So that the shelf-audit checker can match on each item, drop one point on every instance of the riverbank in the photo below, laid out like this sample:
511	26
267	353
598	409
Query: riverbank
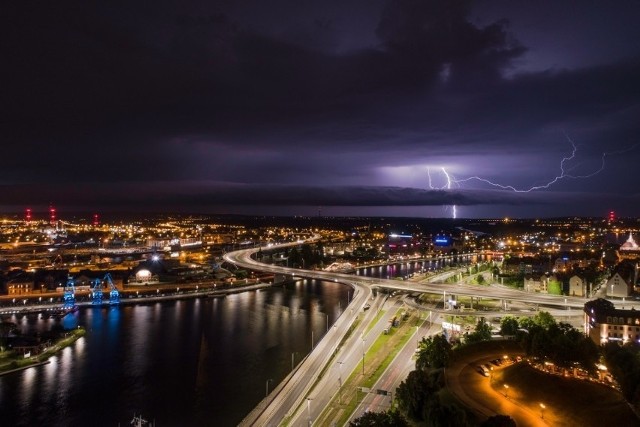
141	296
16	363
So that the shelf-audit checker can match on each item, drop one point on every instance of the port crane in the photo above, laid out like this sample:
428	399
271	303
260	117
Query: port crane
69	295
114	294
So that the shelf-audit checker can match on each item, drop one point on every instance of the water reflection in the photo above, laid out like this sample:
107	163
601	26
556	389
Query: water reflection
190	362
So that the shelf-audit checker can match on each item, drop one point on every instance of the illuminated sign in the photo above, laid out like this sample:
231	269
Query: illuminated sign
451	327
442	241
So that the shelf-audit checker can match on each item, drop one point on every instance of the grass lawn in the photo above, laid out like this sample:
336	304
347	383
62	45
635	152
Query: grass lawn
9	360
554	287
569	402
377	359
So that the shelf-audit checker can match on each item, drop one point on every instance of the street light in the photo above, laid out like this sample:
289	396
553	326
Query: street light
542	410
266	393
340	382
363	340
309	409
506	391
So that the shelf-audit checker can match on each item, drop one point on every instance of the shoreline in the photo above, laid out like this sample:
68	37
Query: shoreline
140	299
22	368
129	300
61	344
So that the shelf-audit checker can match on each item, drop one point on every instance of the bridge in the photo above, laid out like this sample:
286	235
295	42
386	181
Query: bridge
287	399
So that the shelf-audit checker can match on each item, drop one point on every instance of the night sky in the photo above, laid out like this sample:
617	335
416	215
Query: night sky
345	107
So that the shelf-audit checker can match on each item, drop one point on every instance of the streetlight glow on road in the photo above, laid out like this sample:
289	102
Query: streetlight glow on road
340	382
363	340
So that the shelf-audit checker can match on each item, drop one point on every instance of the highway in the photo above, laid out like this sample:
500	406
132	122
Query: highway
302	396
396	372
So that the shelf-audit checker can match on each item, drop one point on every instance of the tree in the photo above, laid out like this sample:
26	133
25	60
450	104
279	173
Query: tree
414	392
380	419
482	332
544	319
624	364
307	256
241	274
6	328
434	352
438	414
508	325
480	279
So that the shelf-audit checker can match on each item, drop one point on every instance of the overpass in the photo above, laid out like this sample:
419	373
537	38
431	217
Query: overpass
291	393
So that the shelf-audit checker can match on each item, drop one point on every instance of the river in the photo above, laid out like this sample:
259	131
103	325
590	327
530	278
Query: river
196	362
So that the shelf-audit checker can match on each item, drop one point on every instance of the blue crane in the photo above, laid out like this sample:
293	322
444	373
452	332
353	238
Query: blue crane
114	295
96	291
69	295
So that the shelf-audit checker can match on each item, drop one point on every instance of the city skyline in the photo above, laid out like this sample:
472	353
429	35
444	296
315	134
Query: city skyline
396	108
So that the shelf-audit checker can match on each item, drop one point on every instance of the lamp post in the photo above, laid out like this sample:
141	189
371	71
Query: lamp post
363	340
309	409
266	393
340	383
506	391
542	410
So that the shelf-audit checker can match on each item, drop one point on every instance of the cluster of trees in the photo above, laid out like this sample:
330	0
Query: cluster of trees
6	328
388	418
541	336
306	255
624	364
419	398
481	333
418	395
434	352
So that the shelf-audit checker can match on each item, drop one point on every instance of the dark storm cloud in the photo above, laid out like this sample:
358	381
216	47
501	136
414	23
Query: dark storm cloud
280	92
209	195
87	76
214	194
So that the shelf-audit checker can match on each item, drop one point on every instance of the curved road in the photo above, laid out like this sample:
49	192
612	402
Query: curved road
287	400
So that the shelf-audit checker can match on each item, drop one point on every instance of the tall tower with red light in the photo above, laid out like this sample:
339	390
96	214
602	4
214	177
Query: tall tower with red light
52	215
27	215
96	220
612	217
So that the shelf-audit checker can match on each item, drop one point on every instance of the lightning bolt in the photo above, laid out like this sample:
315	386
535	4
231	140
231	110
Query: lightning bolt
452	182
564	173
448	185
449	182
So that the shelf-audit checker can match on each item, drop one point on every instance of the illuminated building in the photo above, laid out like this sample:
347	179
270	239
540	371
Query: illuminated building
401	244
604	323
629	249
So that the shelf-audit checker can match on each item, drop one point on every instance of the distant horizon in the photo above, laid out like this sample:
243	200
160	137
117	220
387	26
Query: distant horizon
42	215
